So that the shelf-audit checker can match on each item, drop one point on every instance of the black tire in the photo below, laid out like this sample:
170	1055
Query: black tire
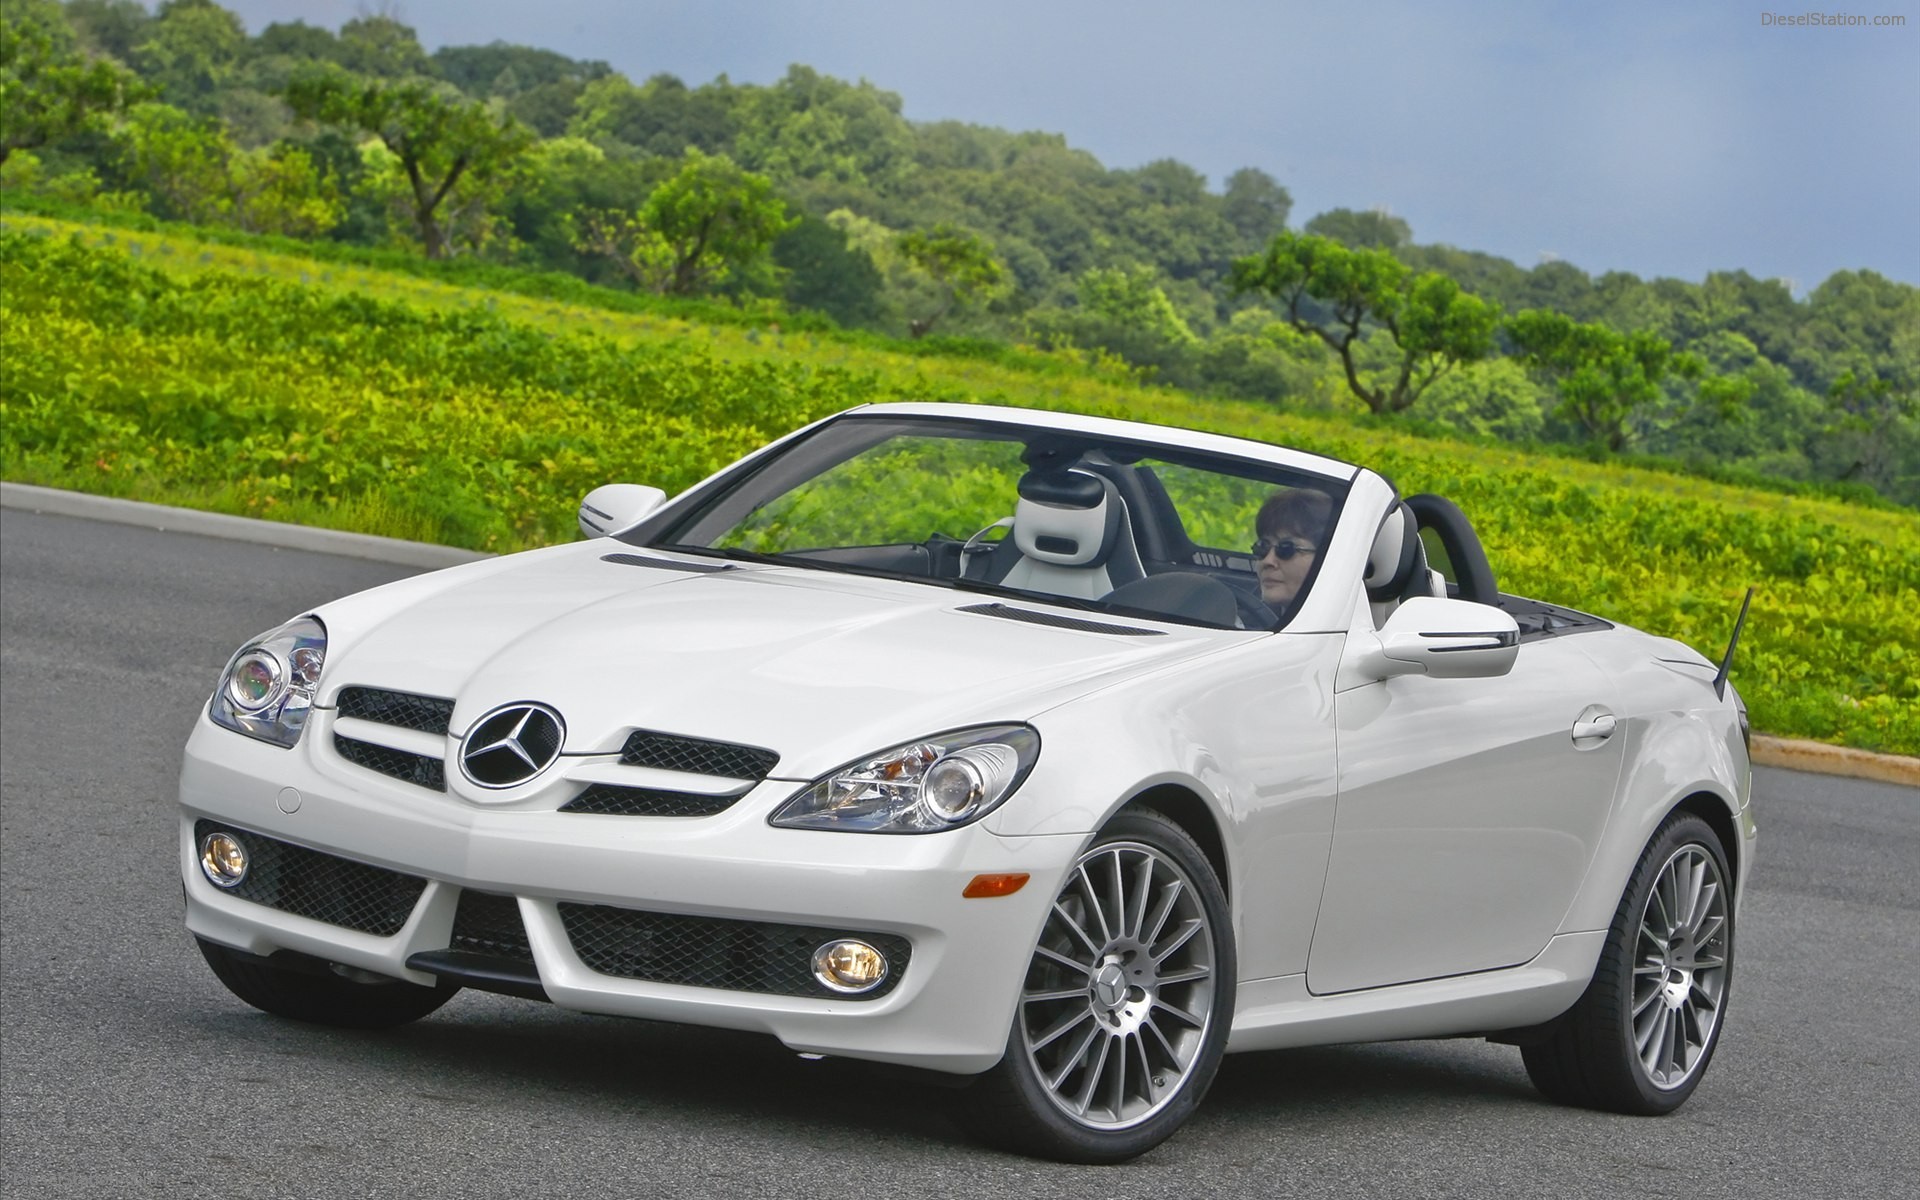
320	995
1175	956
1603	1053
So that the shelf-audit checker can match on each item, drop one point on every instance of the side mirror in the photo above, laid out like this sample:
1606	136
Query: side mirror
612	507
1445	639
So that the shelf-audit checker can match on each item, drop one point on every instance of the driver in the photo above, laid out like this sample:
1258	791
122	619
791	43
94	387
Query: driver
1288	527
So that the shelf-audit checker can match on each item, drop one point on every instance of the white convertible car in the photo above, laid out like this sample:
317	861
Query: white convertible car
1058	752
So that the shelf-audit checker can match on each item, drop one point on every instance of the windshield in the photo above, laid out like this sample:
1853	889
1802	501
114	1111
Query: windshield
1062	518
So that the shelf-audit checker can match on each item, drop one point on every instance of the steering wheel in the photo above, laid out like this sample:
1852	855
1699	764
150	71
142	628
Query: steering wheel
1252	611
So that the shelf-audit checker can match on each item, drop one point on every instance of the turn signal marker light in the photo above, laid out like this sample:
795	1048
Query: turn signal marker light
984	886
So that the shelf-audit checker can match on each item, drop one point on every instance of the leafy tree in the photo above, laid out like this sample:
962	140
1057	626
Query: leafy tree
49	91
1132	298
383	47
1375	229
712	221
812	126
192	49
662	116
1255	205
443	146
960	264
1337	293
193	170
1603	376
826	273
110	27
477	70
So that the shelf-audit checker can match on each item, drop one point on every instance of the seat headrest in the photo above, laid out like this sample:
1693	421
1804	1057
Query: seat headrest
1067	518
1395	555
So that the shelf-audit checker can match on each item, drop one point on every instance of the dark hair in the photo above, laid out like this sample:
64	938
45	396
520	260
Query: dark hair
1297	510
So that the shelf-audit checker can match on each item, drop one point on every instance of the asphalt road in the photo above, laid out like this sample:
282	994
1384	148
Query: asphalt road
128	1071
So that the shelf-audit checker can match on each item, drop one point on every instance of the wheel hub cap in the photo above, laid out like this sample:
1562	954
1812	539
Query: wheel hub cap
1680	972
1119	996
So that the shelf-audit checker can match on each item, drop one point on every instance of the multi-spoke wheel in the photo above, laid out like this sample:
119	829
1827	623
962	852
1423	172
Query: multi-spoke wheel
1642	1035
1124	1011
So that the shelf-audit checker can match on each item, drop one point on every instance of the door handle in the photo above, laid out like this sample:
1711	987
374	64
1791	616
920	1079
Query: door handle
1595	726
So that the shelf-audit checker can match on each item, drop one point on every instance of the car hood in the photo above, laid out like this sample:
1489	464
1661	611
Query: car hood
817	666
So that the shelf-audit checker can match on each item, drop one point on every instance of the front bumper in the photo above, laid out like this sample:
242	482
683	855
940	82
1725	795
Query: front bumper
950	1010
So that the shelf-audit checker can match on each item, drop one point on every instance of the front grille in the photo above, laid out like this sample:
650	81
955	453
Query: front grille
308	883
610	800
426	714
696	756
710	952
420	769
486	923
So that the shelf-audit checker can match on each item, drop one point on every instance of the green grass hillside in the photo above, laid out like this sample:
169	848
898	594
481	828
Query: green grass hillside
159	367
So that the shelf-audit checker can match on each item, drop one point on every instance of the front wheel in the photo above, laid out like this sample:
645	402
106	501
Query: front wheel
1641	1036
1124	1012
322	995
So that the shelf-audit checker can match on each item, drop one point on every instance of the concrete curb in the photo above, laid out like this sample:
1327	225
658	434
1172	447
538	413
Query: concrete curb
240	529
1817	757
1822	759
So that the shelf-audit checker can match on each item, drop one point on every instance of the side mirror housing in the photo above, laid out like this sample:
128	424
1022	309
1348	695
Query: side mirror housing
1445	639
612	507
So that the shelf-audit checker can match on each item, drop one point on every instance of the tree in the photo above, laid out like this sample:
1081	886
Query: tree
193	169
825	273
1255	205
1376	229
384	47
49	91
191	51
1338	294
961	265
1603	376
710	222
441	143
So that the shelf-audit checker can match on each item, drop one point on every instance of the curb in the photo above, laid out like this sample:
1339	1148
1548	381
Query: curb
1822	759
1791	754
239	529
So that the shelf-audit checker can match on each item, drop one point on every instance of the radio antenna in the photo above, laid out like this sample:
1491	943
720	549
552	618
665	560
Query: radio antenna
1726	663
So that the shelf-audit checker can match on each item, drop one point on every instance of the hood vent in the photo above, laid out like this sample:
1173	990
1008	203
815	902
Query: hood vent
1033	617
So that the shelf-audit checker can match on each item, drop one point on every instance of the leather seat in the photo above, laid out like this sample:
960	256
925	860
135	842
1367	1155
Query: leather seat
1071	537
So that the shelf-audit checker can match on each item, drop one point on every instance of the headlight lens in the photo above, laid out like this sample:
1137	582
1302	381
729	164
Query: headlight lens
268	686
937	783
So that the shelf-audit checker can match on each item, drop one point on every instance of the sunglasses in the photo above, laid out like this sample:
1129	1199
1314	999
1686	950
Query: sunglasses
1283	549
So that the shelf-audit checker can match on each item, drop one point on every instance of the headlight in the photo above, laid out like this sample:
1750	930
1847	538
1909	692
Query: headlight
938	783
267	689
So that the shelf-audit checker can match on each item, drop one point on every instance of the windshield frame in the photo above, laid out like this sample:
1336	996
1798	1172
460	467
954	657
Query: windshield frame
710	509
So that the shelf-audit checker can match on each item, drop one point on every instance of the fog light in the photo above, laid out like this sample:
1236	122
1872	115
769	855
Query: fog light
223	859
849	966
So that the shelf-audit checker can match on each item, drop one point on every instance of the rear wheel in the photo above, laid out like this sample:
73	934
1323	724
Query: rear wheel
1642	1035
321	993
1124	1012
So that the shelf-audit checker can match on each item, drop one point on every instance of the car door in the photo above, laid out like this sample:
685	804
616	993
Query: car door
1466	817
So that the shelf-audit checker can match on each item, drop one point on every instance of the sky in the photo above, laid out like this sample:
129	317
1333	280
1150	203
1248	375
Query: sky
1657	138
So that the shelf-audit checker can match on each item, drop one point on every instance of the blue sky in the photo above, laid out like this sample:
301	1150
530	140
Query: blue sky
1656	138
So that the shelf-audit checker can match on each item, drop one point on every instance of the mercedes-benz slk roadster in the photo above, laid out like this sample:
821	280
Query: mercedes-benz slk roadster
1057	753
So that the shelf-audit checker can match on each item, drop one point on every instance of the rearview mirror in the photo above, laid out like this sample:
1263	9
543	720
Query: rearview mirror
615	506
1445	639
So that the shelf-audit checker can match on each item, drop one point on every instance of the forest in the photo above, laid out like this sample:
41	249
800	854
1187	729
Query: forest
812	203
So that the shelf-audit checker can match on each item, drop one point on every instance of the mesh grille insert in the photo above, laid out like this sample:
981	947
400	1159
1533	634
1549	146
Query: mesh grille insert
401	764
612	800
696	756
308	883
427	714
738	956
487	923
